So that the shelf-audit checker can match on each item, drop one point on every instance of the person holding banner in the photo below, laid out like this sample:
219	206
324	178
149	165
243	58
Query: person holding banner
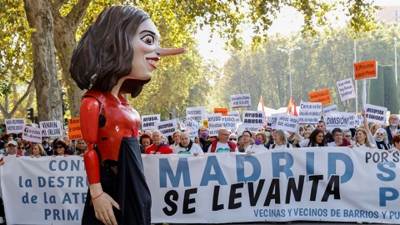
37	151
258	145
186	146
316	139
115	56
222	143
280	140
396	144
338	139
381	139
158	146
246	141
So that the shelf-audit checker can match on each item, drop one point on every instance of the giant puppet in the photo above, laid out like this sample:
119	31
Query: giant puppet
115	56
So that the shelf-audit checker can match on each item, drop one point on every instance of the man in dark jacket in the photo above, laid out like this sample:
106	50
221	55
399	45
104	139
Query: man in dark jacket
393	127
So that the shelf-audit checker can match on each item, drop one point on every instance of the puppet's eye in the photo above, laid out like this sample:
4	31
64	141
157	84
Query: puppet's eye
148	39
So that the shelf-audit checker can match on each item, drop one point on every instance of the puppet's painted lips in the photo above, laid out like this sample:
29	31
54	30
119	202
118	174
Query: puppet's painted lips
152	62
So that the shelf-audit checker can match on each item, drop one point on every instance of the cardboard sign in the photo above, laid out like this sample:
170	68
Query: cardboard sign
376	114
149	122
241	101
287	122
366	70
191	125
274	119
32	134
51	128
346	89
228	122
14	126
74	128
323	96
310	113
223	111
166	128
235	114
243	127
253	118
329	109
339	120
196	113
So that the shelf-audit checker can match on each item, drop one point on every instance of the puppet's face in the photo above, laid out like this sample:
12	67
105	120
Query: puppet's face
145	43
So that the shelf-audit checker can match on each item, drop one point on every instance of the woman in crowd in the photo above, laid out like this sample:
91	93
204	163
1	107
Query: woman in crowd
145	141
280	140
396	145
316	139
362	139
347	136
37	151
259	141
381	139
61	148
20	148
246	140
239	141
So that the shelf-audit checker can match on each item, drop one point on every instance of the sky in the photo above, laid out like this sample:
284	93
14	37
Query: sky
289	20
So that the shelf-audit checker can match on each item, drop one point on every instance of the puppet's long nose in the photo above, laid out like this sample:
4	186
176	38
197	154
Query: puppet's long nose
167	51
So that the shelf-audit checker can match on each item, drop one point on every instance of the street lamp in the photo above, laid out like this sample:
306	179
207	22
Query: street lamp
290	68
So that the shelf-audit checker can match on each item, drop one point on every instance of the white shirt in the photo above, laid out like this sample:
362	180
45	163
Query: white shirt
276	146
256	148
195	149
363	146
221	147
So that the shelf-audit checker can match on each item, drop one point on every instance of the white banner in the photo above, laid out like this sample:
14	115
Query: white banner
196	113
45	190
51	128
329	109
241	101
287	122
149	122
235	114
14	126
306	184
166	128
228	122
310	112
375	114
32	134
346	89
340	120
253	118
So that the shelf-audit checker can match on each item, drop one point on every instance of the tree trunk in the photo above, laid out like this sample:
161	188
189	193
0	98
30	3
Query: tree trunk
47	85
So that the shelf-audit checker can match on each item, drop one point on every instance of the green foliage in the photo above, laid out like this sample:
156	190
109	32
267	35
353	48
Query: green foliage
376	89
390	90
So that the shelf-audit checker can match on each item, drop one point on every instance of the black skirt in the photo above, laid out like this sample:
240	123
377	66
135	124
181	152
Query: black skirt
128	188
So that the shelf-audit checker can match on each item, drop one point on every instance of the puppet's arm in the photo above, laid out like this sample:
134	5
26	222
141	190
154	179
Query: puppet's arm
89	127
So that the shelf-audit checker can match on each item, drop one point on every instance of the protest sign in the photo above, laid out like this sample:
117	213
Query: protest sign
235	114
253	118
14	126
310	113
223	111
32	134
166	128
48	190
196	113
51	128
241	101
191	125
245	127
228	122
366	70
339	120
274	119
213	132
346	89
74	128
323	96
287	122
329	109
359	120
192	134
375	114
214	121
303	184
149	122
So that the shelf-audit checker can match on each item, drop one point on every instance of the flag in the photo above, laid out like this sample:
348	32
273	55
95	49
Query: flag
291	108
261	105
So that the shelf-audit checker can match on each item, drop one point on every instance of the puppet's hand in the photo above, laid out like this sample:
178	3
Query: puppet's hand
103	204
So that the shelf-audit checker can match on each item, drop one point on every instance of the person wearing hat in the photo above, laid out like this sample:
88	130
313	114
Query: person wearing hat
12	151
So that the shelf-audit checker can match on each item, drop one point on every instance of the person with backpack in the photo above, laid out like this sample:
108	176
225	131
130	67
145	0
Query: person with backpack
280	140
222	143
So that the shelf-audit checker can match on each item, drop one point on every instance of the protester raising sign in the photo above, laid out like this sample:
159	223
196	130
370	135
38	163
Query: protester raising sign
241	101
287	122
196	113
366	70
14	125
346	89
51	128
310	113
375	114
323	96
149	122
253	118
166	128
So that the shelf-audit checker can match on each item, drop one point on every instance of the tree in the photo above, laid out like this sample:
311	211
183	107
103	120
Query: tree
390	90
